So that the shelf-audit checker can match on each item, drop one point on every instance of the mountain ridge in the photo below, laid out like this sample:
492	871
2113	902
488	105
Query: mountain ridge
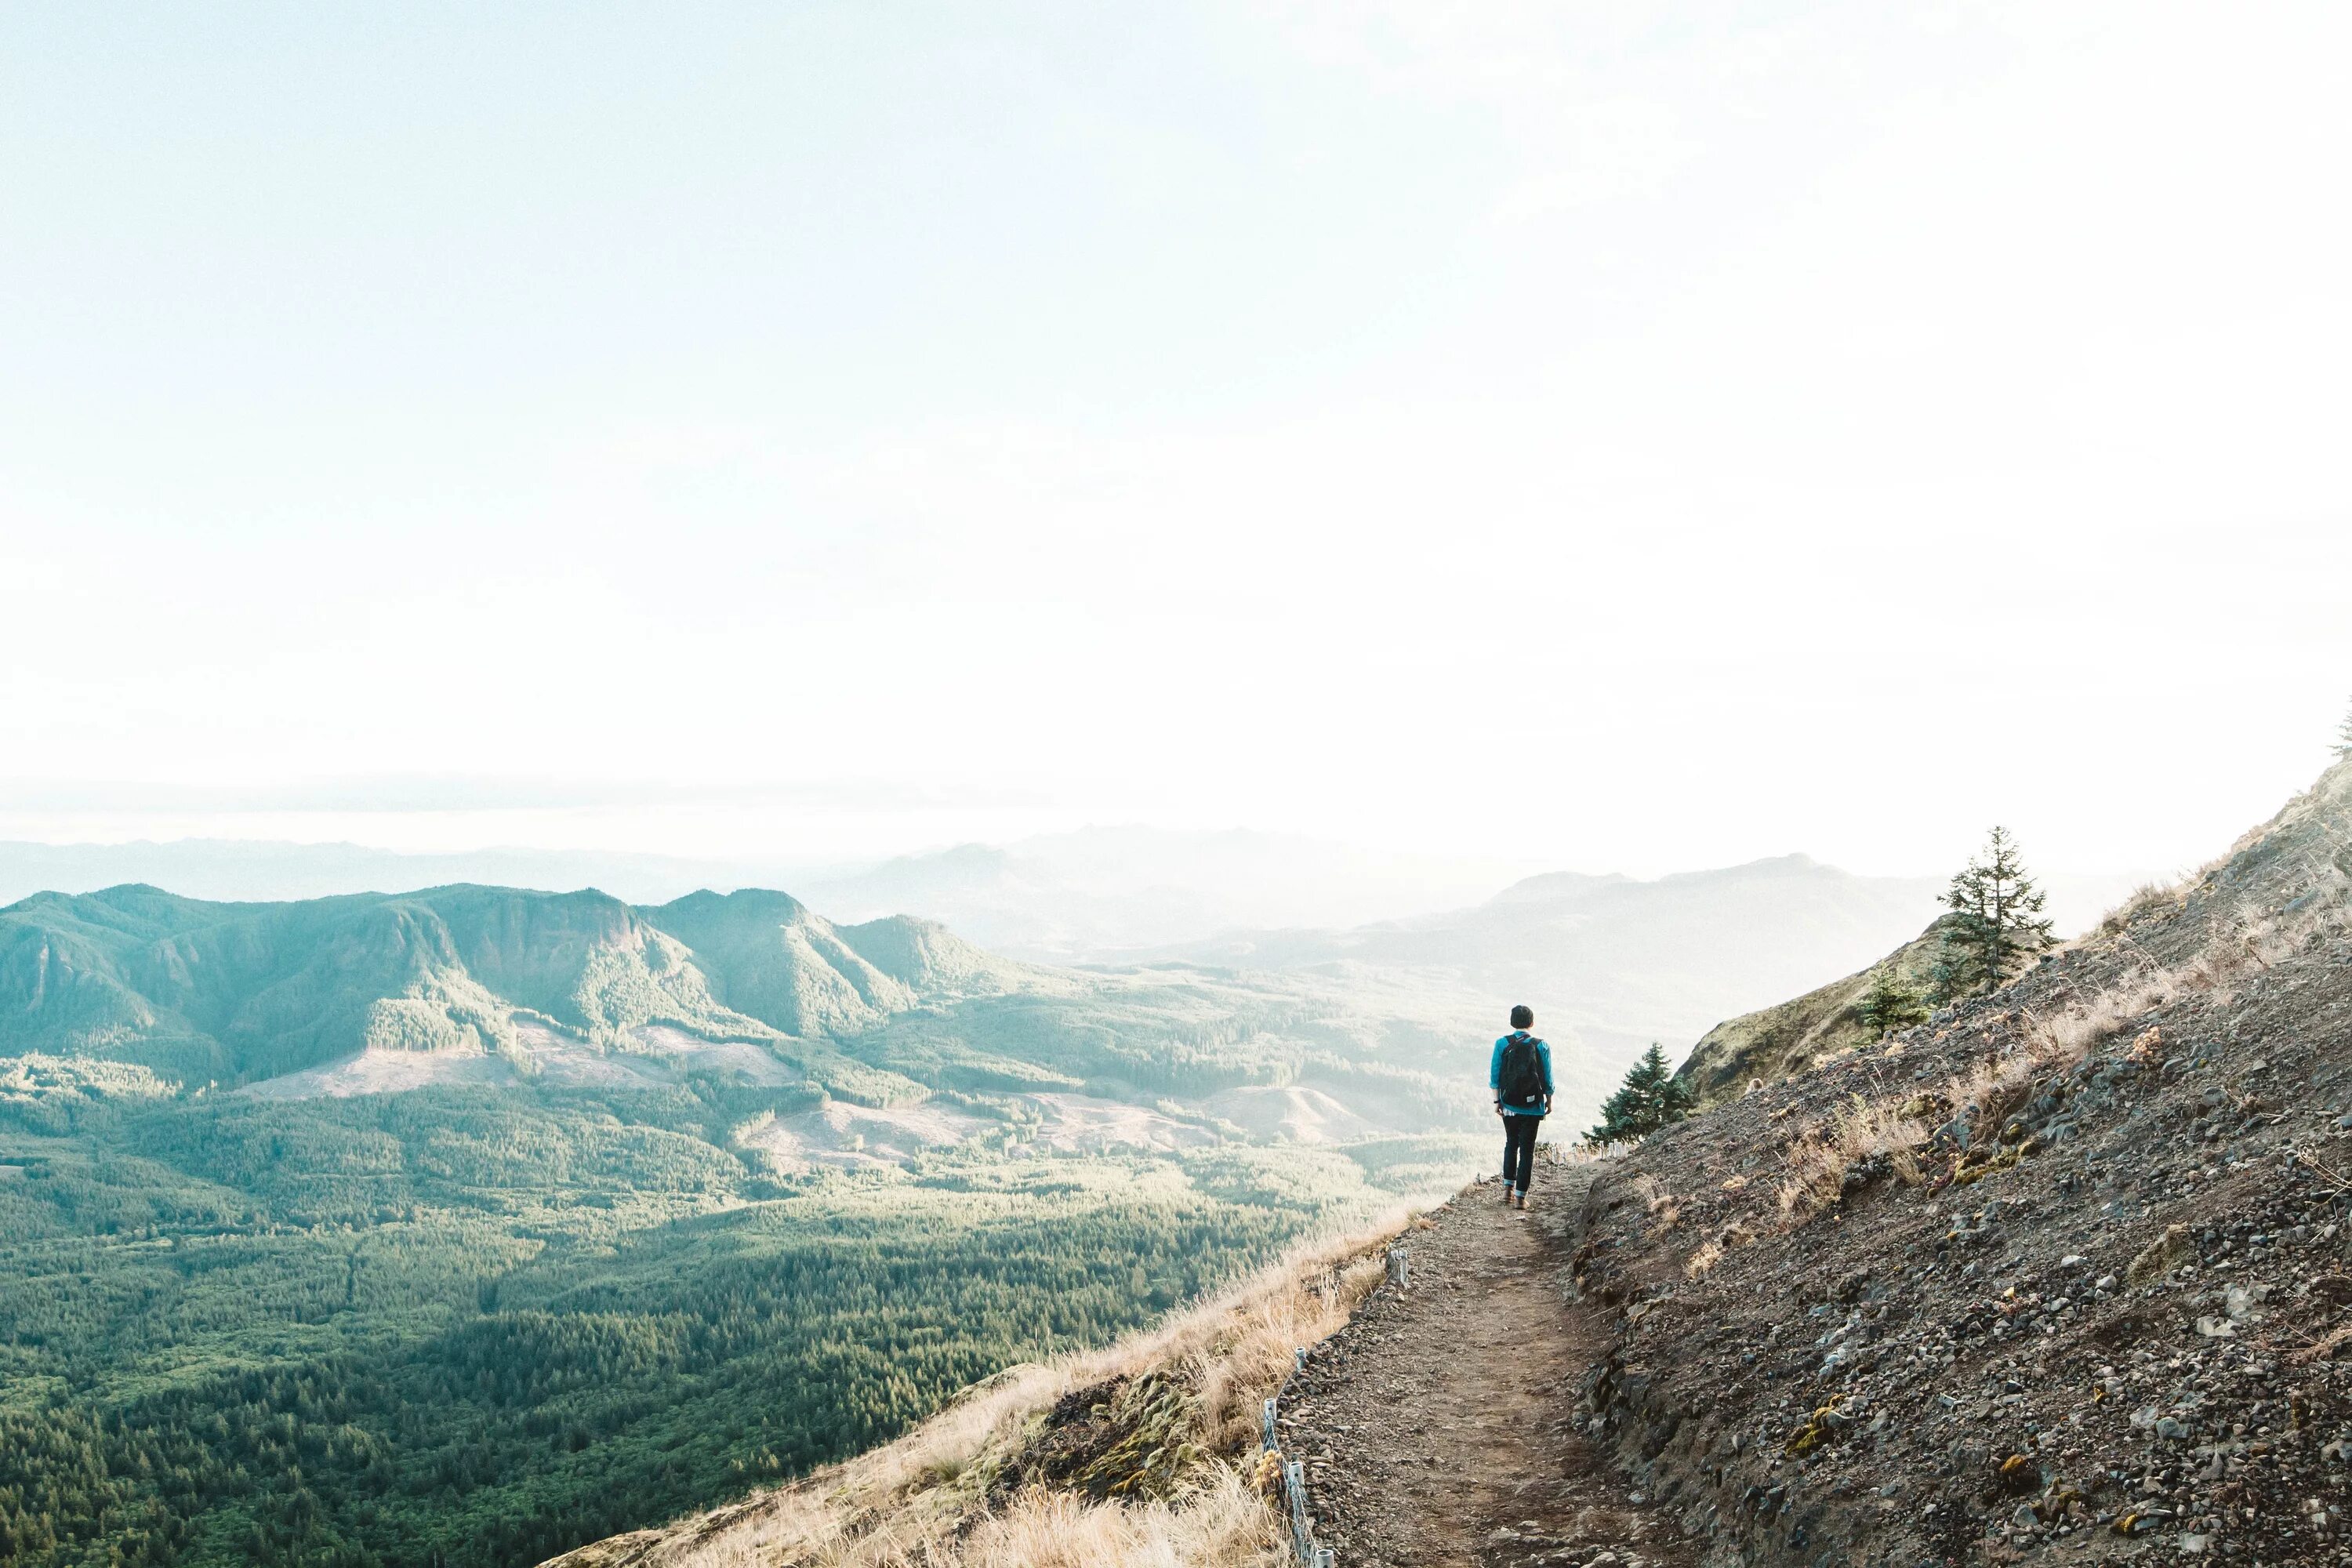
257	989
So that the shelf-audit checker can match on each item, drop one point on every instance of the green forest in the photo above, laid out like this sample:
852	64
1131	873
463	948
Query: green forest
446	1327
465	1227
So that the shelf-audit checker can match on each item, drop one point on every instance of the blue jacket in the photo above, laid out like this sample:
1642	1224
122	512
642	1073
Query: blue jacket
1495	1074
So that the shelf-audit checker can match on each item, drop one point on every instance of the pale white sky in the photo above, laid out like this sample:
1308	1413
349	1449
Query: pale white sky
1609	436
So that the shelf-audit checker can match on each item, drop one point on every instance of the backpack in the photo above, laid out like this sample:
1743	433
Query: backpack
1522	1074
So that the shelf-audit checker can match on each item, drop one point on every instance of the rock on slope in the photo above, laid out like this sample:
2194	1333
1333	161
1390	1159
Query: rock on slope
2069	1268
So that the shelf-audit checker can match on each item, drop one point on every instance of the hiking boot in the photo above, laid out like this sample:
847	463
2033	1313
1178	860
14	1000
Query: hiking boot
1506	1195
1521	1203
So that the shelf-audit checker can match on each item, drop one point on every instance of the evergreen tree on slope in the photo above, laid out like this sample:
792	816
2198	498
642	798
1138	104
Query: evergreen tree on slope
1997	922
1650	1097
1890	1005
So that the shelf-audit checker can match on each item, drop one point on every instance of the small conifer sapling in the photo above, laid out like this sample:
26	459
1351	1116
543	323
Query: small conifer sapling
1890	1005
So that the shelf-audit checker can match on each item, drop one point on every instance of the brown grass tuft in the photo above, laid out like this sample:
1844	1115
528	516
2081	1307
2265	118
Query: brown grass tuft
1859	1131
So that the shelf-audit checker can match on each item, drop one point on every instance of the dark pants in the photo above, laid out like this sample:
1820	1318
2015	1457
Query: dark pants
1519	1150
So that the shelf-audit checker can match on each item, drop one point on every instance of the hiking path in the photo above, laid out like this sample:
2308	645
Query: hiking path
1442	1428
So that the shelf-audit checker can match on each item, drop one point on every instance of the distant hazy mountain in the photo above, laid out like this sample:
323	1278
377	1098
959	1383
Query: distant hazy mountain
1614	962
371	992
234	992
1622	961
248	868
1101	891
1097	892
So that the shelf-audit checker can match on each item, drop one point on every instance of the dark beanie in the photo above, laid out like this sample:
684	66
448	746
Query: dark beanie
1523	1016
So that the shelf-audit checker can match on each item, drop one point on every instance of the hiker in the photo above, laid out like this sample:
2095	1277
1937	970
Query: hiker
1520	1078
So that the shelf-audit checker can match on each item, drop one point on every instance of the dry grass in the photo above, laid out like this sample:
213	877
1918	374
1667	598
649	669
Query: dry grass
2149	899
1222	1524
924	1501
2323	1348
1860	1130
1715	1249
1985	1094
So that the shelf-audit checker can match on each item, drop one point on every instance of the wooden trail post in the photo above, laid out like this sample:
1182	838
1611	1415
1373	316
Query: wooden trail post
1302	1529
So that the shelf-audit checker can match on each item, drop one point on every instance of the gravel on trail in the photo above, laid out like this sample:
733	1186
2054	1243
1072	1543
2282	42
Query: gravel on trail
1442	1428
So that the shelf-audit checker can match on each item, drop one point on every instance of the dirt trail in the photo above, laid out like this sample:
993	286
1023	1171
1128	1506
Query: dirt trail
1440	1426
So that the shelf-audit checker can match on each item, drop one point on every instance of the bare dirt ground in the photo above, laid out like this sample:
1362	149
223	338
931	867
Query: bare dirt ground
1441	1426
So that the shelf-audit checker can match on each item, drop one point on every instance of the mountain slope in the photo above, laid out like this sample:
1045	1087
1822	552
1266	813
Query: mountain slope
769	956
2065	1267
240	991
1142	1453
488	986
1774	1042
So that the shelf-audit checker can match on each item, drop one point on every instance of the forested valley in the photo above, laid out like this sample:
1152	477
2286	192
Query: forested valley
463	1226
451	1327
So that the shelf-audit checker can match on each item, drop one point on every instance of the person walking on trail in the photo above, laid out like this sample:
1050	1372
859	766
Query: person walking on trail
1520	1078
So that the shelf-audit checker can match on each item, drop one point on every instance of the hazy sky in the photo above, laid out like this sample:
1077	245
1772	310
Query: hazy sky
1610	434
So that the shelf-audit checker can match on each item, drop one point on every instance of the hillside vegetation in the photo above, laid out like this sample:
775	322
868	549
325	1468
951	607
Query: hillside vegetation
478	1330
1144	1453
2063	1267
465	1227
232	993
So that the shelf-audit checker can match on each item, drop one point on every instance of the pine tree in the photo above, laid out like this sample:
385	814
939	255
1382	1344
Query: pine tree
1890	1005
1952	975
2344	739
1996	922
1650	1097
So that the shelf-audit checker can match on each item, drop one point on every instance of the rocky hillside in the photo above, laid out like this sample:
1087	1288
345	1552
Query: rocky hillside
2070	1267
